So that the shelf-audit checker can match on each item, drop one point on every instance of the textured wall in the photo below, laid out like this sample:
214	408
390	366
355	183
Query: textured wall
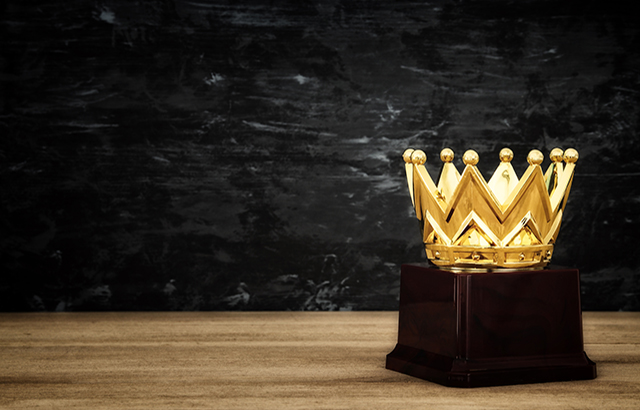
160	154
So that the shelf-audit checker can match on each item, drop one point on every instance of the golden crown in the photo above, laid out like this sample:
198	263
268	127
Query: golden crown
468	223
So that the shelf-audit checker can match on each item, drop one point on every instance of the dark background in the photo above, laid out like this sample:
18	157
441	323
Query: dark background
198	155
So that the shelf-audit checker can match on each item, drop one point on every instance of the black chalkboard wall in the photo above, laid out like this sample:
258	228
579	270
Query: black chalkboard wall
246	155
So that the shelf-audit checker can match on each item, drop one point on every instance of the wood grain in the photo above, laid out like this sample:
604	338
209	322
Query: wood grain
283	360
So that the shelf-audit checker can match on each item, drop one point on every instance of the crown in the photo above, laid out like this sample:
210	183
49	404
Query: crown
470	224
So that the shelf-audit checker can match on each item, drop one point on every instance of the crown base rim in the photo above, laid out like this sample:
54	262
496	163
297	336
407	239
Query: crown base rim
484	259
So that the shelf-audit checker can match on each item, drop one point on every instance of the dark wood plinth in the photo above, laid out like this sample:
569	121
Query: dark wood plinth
488	329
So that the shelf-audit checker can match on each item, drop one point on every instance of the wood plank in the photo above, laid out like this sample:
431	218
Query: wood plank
269	360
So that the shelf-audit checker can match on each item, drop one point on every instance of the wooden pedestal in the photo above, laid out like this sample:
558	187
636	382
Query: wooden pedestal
487	329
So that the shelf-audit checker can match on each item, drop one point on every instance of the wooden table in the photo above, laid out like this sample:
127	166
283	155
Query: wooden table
270	360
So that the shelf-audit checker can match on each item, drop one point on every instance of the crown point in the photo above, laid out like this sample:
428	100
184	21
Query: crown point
407	155
556	155
418	157
446	155
506	155
535	157
470	157
571	156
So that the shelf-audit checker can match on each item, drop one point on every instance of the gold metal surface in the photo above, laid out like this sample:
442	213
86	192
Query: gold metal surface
506	223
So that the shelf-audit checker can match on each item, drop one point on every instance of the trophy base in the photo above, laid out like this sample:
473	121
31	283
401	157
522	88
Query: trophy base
489	329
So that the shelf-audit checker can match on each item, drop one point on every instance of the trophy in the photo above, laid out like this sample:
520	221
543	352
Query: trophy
488	309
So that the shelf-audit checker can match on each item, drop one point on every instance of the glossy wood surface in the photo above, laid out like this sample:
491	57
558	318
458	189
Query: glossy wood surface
489	329
275	360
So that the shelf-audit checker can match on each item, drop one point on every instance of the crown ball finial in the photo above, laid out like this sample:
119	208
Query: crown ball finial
406	156
418	157
571	156
446	155
535	157
470	157
556	155
506	155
